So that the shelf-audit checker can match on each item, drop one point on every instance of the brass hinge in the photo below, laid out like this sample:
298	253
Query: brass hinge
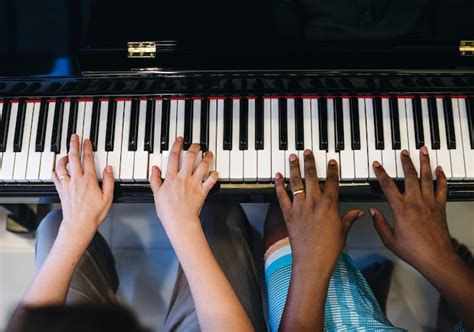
466	47
141	49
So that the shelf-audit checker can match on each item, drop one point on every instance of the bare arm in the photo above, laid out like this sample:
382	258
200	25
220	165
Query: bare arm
420	235
178	202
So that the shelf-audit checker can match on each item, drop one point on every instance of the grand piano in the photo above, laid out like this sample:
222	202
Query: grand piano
251	101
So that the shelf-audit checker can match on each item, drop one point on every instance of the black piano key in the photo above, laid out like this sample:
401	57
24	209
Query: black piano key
299	125
339	124
378	121
149	125
283	123
110	131
323	124
434	125
41	130
395	124
259	124
355	129
188	123
57	126
133	132
94	130
20	124
204	137
72	124
448	118
418	123
165	125
228	115
4	125
470	117
244	124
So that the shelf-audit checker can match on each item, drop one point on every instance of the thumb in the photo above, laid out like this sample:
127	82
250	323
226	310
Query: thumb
108	184
155	179
351	216
383	228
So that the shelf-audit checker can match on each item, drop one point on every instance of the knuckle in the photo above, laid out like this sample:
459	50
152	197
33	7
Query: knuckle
310	170
426	177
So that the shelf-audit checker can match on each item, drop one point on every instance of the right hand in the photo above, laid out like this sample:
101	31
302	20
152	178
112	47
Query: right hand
420	233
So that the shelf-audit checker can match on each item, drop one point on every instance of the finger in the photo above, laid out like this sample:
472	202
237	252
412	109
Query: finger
412	185
173	160
74	156
56	181
382	227
441	186
203	168
108	183
190	159
426	174
282	195
295	177
310	174
88	158
351	216
331	187
388	186
155	179
210	182
61	168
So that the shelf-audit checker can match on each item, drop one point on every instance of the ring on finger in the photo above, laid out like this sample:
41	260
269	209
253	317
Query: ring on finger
64	176
297	192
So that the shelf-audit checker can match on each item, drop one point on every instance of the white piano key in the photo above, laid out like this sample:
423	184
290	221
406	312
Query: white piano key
414	152
468	151
196	138
48	156
444	157
64	137
291	124
100	156
362	164
113	157
372	153
427	135
236	173
319	155
308	140
347	165
457	155
264	157
86	132
180	119
156	156
21	159
8	162
171	136
223	156
127	157
140	165
250	155
81	110
331	153
402	114
278	156
388	154
34	158
213	132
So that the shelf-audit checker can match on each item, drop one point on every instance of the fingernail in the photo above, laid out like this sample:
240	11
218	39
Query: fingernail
108	169
372	212
440	169
277	176
376	164
405	153
307	152
73	137
332	162
424	151
292	157
360	214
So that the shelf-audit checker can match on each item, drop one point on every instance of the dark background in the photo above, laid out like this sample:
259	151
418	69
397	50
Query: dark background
34	33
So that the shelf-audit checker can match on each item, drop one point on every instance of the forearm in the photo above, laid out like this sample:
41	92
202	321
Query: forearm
51	283
451	277
304	309
218	307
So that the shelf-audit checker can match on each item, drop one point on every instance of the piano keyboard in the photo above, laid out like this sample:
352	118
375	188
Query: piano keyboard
251	137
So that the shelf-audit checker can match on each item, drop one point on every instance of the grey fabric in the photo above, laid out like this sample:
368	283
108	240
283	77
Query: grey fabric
95	280
229	235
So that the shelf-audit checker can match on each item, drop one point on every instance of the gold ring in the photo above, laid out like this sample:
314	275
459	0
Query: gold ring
297	192
62	177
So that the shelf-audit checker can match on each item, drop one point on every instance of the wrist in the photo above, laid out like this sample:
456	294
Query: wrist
76	232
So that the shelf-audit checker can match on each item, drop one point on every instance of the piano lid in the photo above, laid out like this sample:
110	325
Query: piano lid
279	35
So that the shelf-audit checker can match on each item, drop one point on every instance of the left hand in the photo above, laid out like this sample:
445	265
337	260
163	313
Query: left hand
317	232
85	205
